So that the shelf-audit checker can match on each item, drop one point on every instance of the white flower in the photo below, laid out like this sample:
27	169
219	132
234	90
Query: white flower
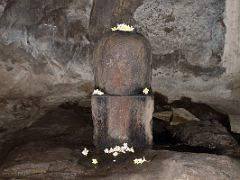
117	148
122	150
114	160
97	92
85	151
140	160
106	151
111	150
135	161
94	161
145	91
123	27
115	154
126	148
131	150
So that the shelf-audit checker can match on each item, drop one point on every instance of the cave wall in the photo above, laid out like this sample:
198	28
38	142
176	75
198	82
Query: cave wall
46	51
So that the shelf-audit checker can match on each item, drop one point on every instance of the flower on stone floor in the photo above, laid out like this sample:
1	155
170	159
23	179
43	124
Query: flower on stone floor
123	27
119	149
115	154
106	151
116	148
97	92
140	160
111	150
94	161
85	151
135	161
145	91
131	150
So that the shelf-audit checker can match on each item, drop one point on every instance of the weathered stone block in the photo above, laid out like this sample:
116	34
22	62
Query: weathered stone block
235	123
120	119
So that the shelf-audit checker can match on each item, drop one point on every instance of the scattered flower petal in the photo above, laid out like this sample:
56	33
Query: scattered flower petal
85	151
115	154
94	161
140	160
117	148
135	161
111	150
131	150
106	151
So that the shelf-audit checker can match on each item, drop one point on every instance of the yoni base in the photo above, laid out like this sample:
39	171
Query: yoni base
122	119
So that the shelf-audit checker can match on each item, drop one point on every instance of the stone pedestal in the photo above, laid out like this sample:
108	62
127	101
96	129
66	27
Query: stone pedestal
120	119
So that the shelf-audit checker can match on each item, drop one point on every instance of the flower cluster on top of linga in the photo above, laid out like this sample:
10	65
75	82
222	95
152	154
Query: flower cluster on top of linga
98	92
119	149
123	27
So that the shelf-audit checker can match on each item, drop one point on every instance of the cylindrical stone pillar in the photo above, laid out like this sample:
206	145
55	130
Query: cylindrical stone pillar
122	69
122	63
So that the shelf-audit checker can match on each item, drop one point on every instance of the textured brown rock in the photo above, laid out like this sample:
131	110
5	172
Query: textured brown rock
206	134
164	115
122	63
235	123
68	124
181	116
40	161
120	119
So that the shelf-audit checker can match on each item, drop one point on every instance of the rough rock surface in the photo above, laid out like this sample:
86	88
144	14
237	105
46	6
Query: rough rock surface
206	134
45	162
69	125
181	116
235	123
45	58
188	41
44	48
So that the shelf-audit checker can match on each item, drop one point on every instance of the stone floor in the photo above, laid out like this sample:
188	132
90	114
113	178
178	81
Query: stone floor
51	149
44	161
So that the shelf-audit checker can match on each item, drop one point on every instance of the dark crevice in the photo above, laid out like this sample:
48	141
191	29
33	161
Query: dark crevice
211	135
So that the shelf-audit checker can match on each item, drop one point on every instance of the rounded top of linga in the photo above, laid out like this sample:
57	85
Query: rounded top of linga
122	63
